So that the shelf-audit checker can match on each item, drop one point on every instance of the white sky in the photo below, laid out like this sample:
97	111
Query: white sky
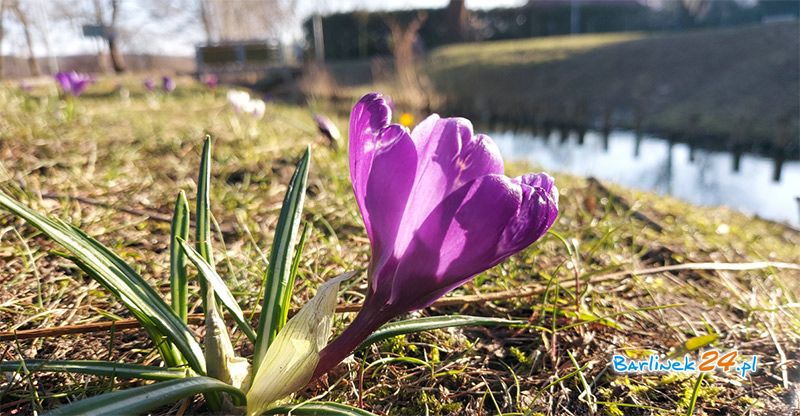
149	37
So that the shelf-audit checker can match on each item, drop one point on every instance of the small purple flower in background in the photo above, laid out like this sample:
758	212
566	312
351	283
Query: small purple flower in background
328	129
25	86
438	210
73	83
211	81
167	84
149	84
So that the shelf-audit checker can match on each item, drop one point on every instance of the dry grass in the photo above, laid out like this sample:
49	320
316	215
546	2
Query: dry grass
137	153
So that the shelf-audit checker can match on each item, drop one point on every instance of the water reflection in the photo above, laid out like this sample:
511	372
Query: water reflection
699	176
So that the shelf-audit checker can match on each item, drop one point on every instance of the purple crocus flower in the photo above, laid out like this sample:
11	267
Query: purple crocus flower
167	84
149	84
211	81
328	129
73	83
438	210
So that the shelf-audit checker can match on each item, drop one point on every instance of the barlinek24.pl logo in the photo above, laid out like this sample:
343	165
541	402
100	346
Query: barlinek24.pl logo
710	360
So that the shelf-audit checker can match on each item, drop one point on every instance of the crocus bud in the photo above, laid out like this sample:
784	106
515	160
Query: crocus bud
149	84
211	81
167	84
438	210
328	129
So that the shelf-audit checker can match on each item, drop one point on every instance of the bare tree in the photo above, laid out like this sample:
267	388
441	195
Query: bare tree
205	18
246	19
111	29
457	21
104	13
403	37
22	18
225	20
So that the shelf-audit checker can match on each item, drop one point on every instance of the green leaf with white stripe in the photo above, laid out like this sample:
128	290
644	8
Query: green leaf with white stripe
141	400
121	280
411	326
219	354
98	368
218	285
178	283
279	281
169	353
203	213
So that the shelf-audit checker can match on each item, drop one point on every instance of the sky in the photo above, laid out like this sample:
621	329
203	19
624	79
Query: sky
66	39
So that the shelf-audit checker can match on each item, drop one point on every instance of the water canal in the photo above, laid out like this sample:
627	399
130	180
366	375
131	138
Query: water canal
702	177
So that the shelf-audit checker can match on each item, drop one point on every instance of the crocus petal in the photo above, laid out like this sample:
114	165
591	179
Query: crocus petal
536	215
368	118
449	157
79	86
458	240
63	81
389	184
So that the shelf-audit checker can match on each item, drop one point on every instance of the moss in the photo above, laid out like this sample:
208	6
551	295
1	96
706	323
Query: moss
429	404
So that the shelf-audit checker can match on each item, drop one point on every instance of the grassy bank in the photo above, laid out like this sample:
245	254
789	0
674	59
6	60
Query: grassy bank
733	87
136	152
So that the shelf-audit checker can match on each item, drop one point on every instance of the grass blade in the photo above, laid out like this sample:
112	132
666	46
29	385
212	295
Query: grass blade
275	306
98	368
119	278
435	322
318	409
143	399
178	283
695	394
211	277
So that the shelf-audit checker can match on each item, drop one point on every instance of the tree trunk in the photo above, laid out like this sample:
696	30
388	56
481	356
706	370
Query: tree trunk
456	21
33	65
205	17
117	61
